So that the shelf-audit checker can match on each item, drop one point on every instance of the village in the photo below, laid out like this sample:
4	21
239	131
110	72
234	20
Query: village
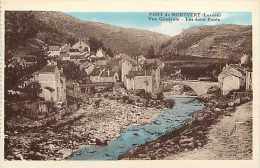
82	98
114	93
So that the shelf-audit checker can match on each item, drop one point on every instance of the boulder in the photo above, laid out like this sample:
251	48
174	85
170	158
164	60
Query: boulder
221	105
19	156
231	104
40	156
230	109
237	101
217	110
188	145
186	140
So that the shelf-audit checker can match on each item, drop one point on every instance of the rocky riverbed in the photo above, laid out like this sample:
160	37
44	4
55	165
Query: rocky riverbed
192	136
93	124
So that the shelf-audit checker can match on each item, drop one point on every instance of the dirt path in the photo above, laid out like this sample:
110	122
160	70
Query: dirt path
230	138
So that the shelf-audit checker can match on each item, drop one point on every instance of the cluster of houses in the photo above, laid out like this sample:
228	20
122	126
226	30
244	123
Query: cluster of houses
137	73
142	74
235	77
131	73
80	51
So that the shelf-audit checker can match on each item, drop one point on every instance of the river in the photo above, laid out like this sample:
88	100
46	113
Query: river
168	120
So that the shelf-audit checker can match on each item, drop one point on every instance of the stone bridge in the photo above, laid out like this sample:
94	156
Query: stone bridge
199	87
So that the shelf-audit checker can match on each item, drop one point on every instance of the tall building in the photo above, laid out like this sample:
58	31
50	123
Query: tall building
53	84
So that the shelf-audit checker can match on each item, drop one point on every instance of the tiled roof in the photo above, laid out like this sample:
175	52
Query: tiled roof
74	50
234	70
125	57
238	68
54	48
132	74
104	71
152	61
108	73
65	48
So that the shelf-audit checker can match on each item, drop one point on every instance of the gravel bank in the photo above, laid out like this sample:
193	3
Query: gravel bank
90	125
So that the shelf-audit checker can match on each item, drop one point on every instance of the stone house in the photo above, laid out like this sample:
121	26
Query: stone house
65	48
99	61
89	69
147	79
104	74
234	77
73	89
127	64
53	84
82	46
54	51
64	53
141	59
74	52
136	80
249	81
154	61
65	57
26	60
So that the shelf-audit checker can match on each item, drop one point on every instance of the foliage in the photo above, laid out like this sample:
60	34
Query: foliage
72	71
160	95
214	90
109	52
50	106
17	73
150	53
33	90
95	44
19	27
71	40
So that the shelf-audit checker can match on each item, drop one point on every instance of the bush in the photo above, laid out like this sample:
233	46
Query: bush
214	90
140	92
169	103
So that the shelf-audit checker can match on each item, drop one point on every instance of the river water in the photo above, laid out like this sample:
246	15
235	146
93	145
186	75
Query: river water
168	120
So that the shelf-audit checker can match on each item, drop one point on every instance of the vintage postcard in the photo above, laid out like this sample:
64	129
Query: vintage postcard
98	85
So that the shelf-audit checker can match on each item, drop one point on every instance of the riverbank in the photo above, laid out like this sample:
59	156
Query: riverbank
92	124
138	135
228	139
194	135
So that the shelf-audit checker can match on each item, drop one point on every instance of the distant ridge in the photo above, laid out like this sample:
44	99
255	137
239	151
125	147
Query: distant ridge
127	40
218	41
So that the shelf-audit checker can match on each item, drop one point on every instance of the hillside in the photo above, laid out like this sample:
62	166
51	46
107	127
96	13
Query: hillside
127	40
220	41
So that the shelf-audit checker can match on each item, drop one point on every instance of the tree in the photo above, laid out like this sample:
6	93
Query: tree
150	53
50	106
95	44
19	26
109	52
73	72
71	40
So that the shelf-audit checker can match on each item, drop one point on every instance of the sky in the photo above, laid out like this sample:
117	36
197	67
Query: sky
170	23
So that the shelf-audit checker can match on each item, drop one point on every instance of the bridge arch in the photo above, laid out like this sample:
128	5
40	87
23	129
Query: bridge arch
199	87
